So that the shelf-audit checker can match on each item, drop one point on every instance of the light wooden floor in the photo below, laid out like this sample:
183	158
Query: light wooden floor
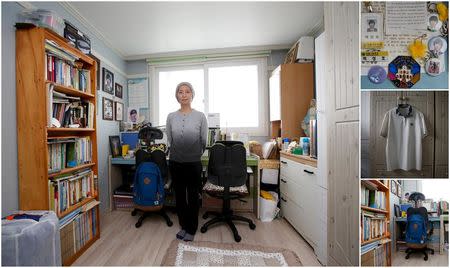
398	259
121	244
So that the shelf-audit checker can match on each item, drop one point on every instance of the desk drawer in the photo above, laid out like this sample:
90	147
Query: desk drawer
292	212
289	168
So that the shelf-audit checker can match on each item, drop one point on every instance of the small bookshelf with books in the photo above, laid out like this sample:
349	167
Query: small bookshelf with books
57	139
375	215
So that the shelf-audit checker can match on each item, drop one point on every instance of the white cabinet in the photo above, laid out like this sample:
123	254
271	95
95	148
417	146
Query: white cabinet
300	199
274	92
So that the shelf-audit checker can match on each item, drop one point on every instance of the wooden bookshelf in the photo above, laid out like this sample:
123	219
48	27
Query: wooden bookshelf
384	241
33	132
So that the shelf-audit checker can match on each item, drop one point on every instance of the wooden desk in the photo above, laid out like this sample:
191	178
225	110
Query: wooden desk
115	176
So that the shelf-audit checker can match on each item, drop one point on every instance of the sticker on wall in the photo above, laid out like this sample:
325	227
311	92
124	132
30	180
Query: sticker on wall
377	74
437	46
434	24
404	72
434	67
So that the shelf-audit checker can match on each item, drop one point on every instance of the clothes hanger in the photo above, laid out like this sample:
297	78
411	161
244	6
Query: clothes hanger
404	105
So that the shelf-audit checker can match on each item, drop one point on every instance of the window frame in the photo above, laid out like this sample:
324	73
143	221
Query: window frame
263	91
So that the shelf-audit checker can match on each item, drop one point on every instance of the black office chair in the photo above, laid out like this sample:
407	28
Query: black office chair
417	234
227	168
154	153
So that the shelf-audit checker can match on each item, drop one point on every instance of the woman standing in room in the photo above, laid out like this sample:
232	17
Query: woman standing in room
186	130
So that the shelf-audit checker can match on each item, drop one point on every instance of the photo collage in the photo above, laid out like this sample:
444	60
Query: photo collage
404	186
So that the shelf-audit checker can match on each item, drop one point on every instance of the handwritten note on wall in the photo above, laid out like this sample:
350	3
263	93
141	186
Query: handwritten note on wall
405	17
138	93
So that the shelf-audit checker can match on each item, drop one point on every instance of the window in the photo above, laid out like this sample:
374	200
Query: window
236	89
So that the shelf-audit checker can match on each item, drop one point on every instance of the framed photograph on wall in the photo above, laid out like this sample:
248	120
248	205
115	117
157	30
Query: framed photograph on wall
119	91
114	144
108	106
119	111
394	187
97	61
108	81
399	191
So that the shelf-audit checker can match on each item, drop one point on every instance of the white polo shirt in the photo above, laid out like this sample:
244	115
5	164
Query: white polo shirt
404	139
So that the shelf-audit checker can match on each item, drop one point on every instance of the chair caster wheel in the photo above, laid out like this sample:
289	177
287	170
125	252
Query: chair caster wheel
205	216
138	224
237	238
252	226
203	229
407	257
133	213
425	258
432	252
169	223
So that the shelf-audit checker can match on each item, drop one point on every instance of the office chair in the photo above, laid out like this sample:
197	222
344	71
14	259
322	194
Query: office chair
155	153
417	224
227	168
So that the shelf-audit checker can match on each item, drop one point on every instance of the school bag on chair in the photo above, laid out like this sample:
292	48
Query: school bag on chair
151	170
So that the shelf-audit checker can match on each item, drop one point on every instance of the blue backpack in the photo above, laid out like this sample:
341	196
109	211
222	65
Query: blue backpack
416	231
148	185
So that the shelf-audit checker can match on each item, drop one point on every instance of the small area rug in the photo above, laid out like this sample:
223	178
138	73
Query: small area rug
201	253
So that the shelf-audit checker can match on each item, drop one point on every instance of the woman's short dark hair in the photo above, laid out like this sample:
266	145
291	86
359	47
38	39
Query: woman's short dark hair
133	111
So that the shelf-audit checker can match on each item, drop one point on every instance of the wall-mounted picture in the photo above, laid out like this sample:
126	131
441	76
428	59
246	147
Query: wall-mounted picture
133	114
119	111
114	143
97	61
393	187
108	81
108	106
119	91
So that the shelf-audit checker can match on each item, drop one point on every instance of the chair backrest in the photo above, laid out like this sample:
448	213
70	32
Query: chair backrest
227	164
416	226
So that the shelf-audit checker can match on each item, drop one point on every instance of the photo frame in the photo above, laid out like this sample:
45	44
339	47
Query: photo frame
108	107
394	187
118	90
114	144
108	81
97	61
133	115
118	110
372	27
399	191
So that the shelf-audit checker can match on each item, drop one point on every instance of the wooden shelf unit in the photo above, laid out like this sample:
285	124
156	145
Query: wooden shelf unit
32	126
380	186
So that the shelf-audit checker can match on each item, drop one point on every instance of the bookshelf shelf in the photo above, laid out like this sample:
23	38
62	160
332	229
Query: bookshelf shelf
68	170
35	47
68	129
374	239
77	205
374	209
70	91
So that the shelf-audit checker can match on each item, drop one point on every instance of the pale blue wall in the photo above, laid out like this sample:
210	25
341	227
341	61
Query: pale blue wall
10	194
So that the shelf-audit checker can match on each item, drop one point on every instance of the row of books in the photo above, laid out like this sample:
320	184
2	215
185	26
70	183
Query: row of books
373	225
62	69
68	153
69	189
77	232
372	198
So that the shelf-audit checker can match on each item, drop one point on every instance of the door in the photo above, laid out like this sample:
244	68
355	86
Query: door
441	137
342	34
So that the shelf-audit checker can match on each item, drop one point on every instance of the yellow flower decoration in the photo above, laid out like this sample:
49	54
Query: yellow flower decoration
443	11
417	49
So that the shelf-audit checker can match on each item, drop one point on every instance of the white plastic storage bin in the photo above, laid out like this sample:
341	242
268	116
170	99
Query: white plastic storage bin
27	242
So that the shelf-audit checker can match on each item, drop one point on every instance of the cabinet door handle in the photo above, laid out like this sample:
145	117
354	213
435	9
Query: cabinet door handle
283	181
283	162
284	200
307	171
